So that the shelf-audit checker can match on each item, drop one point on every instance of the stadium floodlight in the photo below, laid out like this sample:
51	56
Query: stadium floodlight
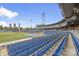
31	22
19	24
43	18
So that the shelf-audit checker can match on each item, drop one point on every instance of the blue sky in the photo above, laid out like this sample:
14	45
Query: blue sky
23	12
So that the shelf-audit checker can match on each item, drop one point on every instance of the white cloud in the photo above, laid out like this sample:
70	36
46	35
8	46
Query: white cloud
7	13
3	23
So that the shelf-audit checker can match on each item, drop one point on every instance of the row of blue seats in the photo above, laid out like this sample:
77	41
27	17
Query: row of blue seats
16	46
26	48
60	48
23	48
21	45
76	43
34	48
29	41
16	51
44	49
49	32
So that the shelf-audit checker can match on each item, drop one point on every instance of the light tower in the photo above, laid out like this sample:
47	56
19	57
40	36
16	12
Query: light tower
43	18
31	22
19	26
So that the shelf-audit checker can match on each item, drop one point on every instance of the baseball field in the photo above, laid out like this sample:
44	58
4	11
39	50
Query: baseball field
11	36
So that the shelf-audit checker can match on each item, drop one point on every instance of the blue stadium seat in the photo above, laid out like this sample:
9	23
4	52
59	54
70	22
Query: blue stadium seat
31	46
26	48
60	47
35	48
44	49
16	46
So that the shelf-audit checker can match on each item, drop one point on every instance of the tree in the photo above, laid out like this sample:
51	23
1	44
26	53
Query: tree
1	27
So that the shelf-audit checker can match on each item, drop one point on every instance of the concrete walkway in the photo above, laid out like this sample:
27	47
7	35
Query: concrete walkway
3	51
69	49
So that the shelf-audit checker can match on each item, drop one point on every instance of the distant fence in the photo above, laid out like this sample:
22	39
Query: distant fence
6	31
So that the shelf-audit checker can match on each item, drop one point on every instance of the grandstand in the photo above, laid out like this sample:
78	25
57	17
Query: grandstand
70	21
59	39
43	45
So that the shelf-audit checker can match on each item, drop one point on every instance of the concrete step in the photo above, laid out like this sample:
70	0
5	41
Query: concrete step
3	51
69	49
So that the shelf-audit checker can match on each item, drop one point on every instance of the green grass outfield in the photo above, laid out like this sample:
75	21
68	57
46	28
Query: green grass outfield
11	36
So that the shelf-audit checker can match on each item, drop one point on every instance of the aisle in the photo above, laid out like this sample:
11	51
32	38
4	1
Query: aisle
69	48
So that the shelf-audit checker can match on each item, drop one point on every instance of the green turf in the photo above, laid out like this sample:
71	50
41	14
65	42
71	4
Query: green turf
11	36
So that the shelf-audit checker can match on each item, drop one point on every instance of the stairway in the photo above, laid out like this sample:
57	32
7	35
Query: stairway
69	49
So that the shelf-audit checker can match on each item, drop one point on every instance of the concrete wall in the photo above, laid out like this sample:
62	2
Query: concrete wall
52	26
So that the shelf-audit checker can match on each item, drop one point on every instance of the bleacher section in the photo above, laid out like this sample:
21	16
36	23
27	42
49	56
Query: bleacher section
60	49
39	46
44	49
30	46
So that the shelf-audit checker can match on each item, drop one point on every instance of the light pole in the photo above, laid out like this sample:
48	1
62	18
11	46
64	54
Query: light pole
19	24
31	22
43	18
